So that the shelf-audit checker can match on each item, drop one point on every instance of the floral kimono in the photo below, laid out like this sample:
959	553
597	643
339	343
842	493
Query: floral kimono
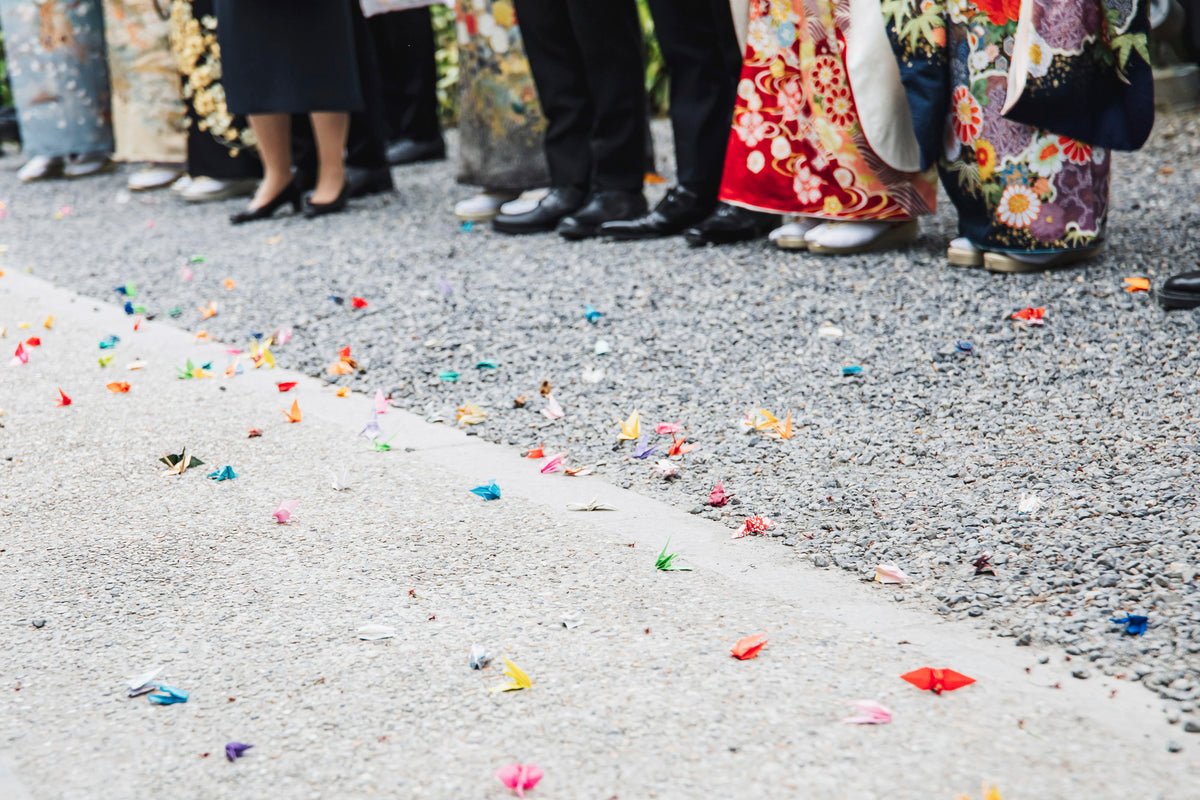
1019	104
59	77
500	123
148	116
821	126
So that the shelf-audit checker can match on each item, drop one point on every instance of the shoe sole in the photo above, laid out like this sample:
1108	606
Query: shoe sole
1003	263
500	227
791	242
1173	301
110	166
477	216
420	160
212	197
152	187
963	257
898	236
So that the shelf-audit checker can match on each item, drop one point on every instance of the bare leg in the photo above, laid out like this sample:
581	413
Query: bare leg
274	134
330	129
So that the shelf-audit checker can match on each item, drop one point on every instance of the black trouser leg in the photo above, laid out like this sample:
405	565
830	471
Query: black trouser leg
586	60
699	44
405	52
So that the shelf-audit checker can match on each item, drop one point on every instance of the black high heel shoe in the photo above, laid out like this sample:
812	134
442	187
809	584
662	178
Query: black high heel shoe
312	209
290	194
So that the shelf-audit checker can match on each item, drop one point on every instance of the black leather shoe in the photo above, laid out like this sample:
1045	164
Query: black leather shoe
558	203
408	151
290	194
602	208
1180	291
361	181
312	209
680	209
729	224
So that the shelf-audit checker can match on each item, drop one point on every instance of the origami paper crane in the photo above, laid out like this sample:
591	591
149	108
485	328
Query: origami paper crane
470	414
1135	624
487	364
63	400
109	342
104	361
983	565
229	284
341	391
180	463
371	429
448	375
1031	316
381	402
536	452
755	524
480	657
340	481
668	428
235	750
260	356
592	376
33	341
664	469
168	695
1029	504
143	684
554	464
869	713
186	274
20	356
747	647
1137	284
631	429
552	410
358	302
678	447
890	573
592	505
643	449
117	387
718	497
578	472
191	370
591	314
762	420
989	793
293	415
519	679
209	311
780	430
49	323
851	370
602	347
285	510
135	365
964	347
225	473
385	446
345	365
281	336
519	777
253	433
664	562
488	491
285	386
937	680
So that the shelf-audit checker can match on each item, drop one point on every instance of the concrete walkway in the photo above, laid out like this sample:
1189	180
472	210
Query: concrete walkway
130	568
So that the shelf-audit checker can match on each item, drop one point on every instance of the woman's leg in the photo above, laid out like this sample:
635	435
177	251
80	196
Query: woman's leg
330	129
274	135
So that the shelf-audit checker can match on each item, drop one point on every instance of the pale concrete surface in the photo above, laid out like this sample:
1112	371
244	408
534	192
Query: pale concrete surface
131	568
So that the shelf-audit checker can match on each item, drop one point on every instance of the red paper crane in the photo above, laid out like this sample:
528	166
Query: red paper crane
937	680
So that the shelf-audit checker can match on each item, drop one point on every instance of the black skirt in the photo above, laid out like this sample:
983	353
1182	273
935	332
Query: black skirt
289	56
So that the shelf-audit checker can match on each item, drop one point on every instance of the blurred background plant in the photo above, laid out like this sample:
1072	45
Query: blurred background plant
657	84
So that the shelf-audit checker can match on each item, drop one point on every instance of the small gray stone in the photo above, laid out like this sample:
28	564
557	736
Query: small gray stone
820	560
1174	746
1082	674
39	623
1191	726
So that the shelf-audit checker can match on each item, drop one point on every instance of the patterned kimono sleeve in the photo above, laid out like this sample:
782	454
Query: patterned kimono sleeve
917	31
1081	68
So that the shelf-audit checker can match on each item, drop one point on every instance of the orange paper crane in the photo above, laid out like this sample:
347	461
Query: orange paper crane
344	365
747	648
294	414
118	387
937	680
63	400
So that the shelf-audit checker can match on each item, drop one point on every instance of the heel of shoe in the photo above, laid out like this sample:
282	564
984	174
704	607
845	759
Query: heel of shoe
297	201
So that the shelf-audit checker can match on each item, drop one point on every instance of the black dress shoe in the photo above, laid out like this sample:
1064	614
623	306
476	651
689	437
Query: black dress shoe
362	181
409	151
312	209
545	217
289	194
1180	291
603	208
729	224
680	209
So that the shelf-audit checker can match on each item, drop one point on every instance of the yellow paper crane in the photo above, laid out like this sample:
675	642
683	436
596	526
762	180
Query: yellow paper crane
631	429
519	679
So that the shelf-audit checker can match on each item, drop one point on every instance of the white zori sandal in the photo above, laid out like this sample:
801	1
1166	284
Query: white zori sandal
963	253
849	238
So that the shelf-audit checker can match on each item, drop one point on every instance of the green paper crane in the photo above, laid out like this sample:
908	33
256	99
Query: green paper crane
665	561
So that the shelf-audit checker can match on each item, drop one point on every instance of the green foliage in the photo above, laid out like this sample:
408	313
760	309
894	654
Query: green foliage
6	99
657	81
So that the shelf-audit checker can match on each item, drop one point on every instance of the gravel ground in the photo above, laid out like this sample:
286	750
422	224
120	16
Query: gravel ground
921	459
107	566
